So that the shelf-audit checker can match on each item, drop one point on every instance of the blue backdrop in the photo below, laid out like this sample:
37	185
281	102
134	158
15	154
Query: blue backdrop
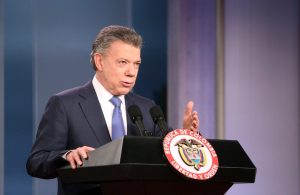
46	50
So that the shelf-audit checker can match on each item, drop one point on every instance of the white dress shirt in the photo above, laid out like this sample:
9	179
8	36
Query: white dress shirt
107	107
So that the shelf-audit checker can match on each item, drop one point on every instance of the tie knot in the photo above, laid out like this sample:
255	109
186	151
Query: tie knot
115	101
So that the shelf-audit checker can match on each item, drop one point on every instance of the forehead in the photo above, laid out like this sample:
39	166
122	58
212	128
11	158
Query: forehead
120	48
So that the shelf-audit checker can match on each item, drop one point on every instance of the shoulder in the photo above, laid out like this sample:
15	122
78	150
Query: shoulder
132	98
73	95
79	91
135	96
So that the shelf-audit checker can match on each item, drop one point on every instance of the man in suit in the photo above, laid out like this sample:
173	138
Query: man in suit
78	120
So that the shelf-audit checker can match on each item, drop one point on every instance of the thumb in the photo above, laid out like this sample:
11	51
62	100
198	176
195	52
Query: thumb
189	108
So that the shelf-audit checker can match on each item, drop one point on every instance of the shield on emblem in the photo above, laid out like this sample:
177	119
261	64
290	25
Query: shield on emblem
192	153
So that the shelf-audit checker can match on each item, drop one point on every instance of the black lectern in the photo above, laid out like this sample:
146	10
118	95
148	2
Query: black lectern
136	165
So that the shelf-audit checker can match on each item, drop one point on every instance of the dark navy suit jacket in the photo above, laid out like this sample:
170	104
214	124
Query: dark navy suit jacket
73	118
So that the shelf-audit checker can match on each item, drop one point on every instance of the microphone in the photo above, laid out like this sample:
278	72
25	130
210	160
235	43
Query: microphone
159	119
137	118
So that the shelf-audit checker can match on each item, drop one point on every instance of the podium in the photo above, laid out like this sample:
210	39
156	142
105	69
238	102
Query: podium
137	165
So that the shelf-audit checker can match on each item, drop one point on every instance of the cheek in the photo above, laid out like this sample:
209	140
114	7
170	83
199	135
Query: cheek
115	77
120	72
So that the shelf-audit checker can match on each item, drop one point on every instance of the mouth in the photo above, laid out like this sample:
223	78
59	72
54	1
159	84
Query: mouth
127	84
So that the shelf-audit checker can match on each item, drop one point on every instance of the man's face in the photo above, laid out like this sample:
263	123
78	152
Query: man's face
118	67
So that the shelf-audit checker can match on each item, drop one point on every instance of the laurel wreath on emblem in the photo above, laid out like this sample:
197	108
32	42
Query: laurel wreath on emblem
192	153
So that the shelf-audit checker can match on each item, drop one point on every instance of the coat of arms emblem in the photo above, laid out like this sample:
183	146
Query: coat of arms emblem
190	154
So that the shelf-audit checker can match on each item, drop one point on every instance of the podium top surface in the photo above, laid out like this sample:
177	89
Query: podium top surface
142	158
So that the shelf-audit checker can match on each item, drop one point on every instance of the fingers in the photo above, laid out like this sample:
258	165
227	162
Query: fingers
195	120
75	156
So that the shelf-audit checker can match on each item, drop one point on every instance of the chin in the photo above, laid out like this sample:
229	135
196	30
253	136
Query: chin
125	91
121	92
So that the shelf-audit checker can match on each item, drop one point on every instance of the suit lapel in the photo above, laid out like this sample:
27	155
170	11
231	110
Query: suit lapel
92	110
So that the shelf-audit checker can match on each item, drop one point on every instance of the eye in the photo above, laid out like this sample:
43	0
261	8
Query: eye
122	62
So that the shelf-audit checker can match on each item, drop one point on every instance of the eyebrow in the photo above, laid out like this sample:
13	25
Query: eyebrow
137	61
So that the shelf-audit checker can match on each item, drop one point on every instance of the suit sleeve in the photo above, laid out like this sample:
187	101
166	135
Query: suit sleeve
51	142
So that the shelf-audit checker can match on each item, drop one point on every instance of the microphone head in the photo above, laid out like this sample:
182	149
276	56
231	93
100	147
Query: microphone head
135	113
157	113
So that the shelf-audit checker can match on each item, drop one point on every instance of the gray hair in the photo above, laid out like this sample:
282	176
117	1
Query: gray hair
113	33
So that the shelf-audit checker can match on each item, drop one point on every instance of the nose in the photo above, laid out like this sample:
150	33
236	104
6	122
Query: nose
131	70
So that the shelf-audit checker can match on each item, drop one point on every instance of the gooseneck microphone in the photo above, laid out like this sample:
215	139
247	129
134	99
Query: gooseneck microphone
159	119
136	117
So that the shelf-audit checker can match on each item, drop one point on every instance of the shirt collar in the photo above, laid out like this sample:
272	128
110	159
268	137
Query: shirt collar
102	93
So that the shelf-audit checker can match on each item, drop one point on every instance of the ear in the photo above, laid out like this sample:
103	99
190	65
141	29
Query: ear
98	58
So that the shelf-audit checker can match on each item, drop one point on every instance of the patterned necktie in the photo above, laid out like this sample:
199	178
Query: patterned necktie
117	121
